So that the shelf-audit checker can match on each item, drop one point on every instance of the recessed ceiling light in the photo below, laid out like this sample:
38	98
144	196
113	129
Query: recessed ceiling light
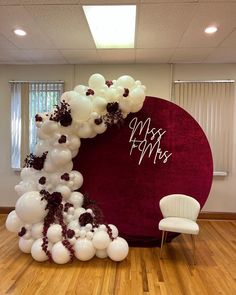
20	32
112	26
211	30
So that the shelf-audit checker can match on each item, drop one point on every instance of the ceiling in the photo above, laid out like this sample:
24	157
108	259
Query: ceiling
167	31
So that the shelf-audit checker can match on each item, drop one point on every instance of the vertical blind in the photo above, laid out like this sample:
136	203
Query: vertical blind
211	104
27	99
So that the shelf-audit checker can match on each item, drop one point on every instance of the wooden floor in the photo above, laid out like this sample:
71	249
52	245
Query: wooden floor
141	273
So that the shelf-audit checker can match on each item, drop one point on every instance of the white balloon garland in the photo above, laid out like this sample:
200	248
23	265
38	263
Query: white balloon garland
52	218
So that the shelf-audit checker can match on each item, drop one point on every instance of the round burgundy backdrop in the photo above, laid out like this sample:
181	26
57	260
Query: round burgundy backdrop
158	151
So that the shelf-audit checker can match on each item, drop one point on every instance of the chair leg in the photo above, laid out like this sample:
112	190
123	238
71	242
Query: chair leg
162	242
193	243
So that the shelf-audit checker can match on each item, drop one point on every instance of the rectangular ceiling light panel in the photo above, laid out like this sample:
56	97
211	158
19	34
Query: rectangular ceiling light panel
112	26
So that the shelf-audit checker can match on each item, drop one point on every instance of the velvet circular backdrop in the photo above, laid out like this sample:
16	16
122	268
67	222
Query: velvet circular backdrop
158	151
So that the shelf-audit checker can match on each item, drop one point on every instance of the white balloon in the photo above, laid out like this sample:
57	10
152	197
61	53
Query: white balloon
77	179
89	235
99	104
37	252
101	253
126	82
54	233
125	104
60	156
27	173
79	211
41	147
81	107
30	208
96	81
13	222
37	230
76	199
118	249
64	190
81	89
60	254
74	142
136	108
68	96
137	95
84	249
101	240
100	128
84	131
49	127
74	225
114	230
25	245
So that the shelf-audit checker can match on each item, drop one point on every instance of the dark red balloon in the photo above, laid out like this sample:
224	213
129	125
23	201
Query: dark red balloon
128	192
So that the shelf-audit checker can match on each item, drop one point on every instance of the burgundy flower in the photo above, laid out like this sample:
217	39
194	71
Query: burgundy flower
42	180
65	176
126	92
38	118
90	92
98	121
112	107
85	218
70	233
109	83
62	114
22	232
36	162
62	139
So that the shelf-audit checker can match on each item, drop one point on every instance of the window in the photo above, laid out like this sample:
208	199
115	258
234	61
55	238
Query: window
28	99
211	104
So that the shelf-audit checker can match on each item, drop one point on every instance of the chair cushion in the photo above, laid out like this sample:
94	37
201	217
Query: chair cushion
179	225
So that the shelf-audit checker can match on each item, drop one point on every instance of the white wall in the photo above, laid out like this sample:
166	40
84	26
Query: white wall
157	78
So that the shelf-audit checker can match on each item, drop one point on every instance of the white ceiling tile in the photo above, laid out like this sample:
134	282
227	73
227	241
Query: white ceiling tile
222	55
4	43
10	2
46	56
220	14
162	25
230	40
12	55
154	55
13	17
81	56
65	25
117	55
190	55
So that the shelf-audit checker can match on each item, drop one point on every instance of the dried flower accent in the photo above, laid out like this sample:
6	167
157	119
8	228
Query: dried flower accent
62	114
126	92
109	231
65	176
98	121
36	162
109	83
42	180
89	92
114	115
85	218
38	118
62	139
22	232
70	233
69	247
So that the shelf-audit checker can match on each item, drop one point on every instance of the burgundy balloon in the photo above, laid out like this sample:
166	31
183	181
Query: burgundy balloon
128	192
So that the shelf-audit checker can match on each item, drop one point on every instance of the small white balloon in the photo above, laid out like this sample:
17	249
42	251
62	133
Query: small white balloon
49	127
96	81
60	156
30	208
64	190
79	211
37	230
84	249
13	222
101	253
25	245
76	199
77	179
101	240
60	254
118	249
126	82
54	233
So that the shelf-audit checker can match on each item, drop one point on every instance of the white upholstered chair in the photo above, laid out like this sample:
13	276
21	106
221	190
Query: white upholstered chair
180	213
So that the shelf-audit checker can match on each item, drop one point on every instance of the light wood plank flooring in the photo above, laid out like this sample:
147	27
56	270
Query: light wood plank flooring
141	273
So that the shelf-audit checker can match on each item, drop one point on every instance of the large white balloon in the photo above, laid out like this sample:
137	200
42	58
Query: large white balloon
77	179
37	251
30	208
96	81
25	245
118	249
125	81
99	104
60	156
101	240
84	249
101	253
81	107
60	254
13	222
